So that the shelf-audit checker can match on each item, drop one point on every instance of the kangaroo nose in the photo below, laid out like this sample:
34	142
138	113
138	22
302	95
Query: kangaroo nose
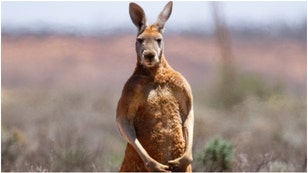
149	55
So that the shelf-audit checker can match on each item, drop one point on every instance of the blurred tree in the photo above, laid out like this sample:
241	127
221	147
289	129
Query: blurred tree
227	93
223	40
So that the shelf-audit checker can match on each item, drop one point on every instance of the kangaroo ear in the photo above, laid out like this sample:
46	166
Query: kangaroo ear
138	17
163	17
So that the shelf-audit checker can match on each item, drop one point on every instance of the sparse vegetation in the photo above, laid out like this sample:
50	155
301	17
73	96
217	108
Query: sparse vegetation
12	143
55	134
217	156
60	131
227	94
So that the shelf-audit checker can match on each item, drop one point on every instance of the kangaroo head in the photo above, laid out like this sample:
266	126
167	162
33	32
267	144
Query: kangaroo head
149	42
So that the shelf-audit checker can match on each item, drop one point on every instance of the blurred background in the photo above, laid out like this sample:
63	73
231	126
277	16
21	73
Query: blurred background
64	65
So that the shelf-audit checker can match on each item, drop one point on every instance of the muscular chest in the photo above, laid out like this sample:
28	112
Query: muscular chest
159	105
158	95
159	98
160	109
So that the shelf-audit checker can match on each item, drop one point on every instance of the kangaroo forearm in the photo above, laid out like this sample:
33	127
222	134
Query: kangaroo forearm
127	130
188	131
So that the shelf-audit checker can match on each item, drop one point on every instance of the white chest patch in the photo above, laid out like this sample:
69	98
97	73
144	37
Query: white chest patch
158	94
152	94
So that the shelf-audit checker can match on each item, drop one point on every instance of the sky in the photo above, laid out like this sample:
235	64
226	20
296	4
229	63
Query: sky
93	16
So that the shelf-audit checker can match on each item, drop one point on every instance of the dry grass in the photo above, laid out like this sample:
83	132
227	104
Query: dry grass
75	131
263	131
61	130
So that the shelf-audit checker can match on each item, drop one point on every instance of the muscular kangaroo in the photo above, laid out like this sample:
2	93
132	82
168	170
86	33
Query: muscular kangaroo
155	112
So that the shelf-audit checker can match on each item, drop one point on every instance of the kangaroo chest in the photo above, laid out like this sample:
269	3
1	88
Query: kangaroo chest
158	124
159	97
160	104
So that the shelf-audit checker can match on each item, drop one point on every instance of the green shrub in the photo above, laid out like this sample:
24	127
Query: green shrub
217	155
12	142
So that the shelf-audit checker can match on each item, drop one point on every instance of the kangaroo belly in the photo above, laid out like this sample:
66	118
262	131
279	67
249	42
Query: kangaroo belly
158	126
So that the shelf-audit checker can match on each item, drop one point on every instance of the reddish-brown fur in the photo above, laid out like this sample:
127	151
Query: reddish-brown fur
158	121
155	112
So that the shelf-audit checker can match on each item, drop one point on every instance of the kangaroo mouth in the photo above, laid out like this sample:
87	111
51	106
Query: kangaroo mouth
150	63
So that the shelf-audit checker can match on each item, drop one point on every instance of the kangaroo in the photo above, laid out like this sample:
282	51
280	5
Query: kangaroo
155	111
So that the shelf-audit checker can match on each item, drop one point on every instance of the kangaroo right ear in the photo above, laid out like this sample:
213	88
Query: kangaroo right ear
138	17
163	17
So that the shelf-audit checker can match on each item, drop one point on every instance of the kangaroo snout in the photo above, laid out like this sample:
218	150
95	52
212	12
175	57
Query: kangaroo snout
149	55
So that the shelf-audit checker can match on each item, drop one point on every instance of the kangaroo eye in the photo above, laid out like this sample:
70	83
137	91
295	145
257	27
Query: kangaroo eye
159	40
140	40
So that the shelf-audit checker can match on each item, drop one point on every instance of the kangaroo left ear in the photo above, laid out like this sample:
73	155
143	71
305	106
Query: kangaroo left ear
138	17
163	17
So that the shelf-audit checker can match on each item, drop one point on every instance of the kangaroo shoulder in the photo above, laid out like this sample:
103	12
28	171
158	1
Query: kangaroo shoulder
178	80
133	85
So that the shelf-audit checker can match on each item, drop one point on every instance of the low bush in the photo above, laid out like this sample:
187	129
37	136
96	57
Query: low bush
216	156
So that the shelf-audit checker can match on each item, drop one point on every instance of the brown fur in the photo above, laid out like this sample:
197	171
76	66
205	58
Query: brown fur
155	113
159	118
